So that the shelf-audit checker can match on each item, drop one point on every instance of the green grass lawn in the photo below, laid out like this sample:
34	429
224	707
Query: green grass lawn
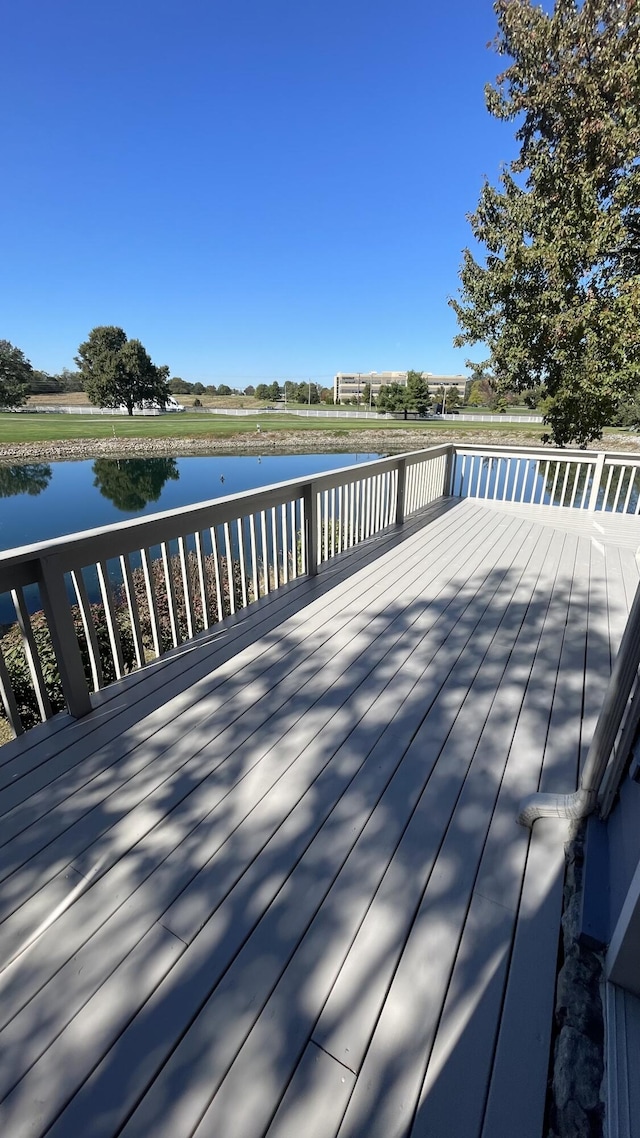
51	427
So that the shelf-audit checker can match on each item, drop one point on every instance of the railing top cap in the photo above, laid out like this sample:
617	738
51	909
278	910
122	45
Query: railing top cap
544	451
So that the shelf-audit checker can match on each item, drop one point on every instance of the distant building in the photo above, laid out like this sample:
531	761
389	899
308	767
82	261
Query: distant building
350	385
434	382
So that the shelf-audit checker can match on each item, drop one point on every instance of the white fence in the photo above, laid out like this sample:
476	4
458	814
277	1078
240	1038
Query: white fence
304	412
88	409
469	417
310	413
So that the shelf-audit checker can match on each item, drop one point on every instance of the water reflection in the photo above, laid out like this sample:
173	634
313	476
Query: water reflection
28	478
98	492
130	483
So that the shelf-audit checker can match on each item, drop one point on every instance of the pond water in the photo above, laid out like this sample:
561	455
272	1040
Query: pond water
45	500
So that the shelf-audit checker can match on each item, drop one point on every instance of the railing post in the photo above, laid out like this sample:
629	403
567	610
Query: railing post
311	527
402	482
9	700
65	642
597	480
449	468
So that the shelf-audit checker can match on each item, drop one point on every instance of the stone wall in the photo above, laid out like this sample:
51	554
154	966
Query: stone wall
576	1107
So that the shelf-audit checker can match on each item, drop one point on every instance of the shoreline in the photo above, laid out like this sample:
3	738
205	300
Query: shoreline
276	442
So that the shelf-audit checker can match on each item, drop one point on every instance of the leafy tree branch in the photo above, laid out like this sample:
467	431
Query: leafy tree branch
556	297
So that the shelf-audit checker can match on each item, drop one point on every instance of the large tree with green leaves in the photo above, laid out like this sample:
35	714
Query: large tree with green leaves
15	375
556	298
118	372
392	397
418	398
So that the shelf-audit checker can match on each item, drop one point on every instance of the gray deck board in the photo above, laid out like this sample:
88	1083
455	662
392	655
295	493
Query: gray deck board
345	1026
315	1099
281	868
381	763
397	895
390	1077
49	1083
204	803
186	738
59	779
606	602
179	671
518	1078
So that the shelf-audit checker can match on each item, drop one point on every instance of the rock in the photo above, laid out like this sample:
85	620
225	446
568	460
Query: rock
571	921
387	440
577	1076
578	1000
576	1123
578	1064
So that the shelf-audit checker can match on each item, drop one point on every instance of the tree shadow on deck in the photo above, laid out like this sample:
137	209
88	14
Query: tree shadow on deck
316	855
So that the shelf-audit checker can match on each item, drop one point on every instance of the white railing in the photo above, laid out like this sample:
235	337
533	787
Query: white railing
577	479
87	609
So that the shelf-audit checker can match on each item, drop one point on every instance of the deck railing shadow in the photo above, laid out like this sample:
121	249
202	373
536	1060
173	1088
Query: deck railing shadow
360	822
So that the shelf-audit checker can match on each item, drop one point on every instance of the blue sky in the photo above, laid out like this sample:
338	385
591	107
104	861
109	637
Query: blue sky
255	189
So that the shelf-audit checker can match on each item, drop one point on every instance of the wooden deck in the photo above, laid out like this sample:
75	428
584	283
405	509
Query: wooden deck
274	884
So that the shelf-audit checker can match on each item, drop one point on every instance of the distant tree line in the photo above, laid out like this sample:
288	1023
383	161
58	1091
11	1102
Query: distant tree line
304	392
180	386
42	383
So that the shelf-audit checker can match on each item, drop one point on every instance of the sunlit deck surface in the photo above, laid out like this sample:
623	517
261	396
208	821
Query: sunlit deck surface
274	884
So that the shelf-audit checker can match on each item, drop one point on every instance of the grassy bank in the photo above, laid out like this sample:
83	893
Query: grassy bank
51	427
53	437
